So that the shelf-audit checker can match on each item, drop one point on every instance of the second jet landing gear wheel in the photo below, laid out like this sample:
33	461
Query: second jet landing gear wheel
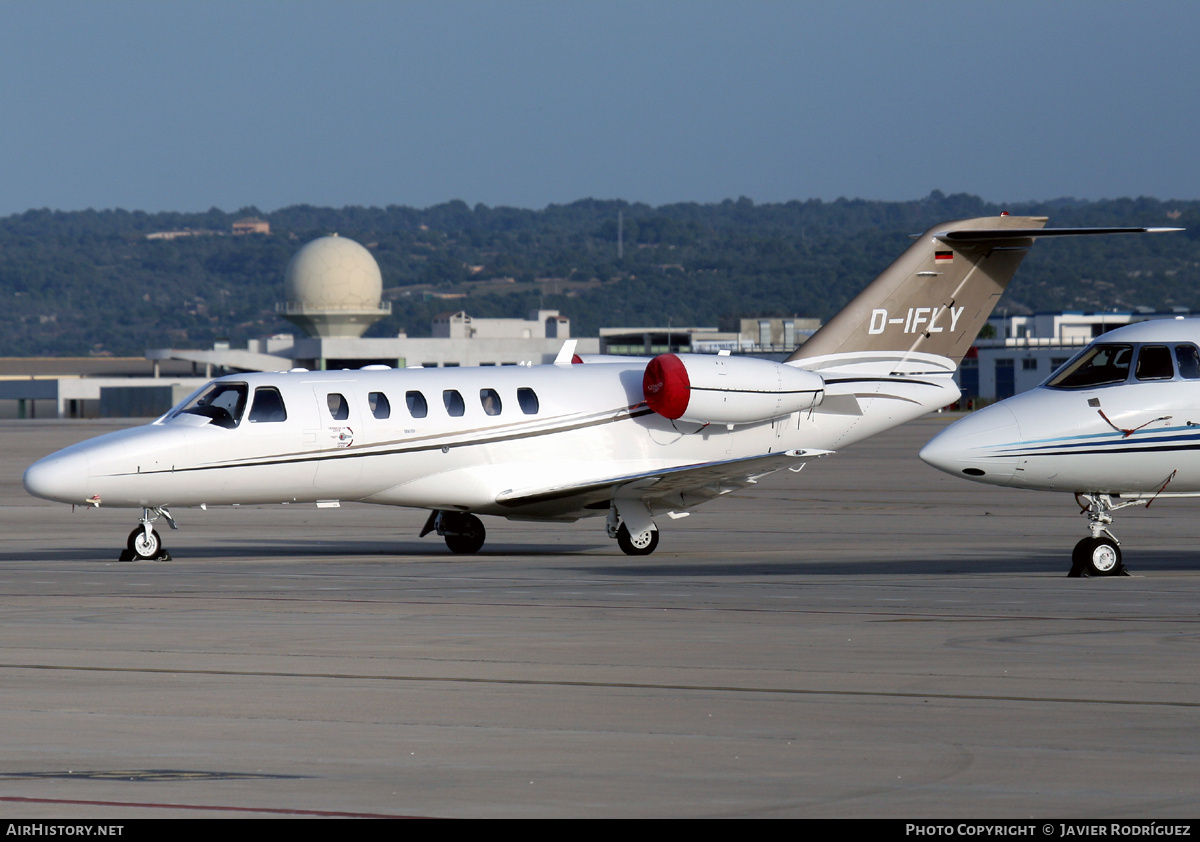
1097	557
642	544
1100	554
464	533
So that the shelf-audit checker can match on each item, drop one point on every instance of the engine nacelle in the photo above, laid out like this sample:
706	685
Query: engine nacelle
708	389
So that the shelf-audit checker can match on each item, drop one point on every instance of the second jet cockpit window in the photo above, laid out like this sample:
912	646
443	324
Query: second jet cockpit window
1154	363
1188	358
1099	365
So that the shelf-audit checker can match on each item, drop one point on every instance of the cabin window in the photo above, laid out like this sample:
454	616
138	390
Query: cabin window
267	407
339	407
1098	365
1188	357
455	406
221	403
381	408
528	400
417	406
1154	363
489	399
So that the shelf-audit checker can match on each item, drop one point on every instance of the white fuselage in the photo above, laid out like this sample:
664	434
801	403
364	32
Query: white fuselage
1135	433
586	424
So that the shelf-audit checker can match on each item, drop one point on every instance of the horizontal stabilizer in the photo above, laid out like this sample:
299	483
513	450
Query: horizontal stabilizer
935	297
986	234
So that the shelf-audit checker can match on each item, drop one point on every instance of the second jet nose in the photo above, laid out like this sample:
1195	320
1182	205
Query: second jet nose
978	446
61	476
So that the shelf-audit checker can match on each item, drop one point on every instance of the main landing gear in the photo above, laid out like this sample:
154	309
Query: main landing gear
144	541
464	533
643	543
1100	553
632	524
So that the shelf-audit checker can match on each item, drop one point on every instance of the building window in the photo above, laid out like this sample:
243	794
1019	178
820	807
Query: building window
1029	364
381	407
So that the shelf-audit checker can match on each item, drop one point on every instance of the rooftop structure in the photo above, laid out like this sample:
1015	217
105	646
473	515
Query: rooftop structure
333	288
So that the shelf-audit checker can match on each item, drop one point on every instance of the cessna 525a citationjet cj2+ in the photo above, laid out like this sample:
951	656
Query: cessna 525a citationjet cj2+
1117	426
632	439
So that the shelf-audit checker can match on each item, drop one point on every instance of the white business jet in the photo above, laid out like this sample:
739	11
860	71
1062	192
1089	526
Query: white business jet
634	440
1117	426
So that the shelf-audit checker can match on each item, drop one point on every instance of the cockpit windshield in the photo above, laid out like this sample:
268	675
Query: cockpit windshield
1099	365
221	403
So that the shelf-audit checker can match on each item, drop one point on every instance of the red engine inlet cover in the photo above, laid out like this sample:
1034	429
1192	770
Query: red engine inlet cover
666	386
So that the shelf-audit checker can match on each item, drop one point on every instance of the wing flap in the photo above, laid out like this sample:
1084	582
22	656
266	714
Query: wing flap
704	481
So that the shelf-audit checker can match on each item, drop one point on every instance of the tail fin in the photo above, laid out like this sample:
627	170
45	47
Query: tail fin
936	296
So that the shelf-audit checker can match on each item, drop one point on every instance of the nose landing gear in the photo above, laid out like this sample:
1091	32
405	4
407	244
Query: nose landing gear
1100	553
144	542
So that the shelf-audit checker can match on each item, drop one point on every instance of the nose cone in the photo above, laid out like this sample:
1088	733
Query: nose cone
977	447
61	476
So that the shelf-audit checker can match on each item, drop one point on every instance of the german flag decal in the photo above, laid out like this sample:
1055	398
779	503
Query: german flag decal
943	257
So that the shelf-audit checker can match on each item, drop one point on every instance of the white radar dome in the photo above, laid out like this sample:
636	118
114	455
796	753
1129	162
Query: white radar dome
333	273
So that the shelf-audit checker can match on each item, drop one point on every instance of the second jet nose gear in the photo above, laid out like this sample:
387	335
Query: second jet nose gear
1100	553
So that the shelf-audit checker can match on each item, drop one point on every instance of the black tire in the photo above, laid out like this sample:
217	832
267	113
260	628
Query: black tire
627	545
1098	557
465	534
143	548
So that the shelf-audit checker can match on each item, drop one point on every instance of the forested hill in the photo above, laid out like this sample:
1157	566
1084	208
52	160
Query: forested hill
77	283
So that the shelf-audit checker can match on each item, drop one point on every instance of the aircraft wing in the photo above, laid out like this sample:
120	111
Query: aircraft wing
667	489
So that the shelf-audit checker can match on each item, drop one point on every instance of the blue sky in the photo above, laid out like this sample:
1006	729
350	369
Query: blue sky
190	105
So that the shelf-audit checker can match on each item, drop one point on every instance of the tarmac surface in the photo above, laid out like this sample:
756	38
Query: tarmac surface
867	638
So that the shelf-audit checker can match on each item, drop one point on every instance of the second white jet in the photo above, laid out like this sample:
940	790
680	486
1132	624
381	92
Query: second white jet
1117	426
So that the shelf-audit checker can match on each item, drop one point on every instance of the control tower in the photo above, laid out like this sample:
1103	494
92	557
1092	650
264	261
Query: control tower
333	289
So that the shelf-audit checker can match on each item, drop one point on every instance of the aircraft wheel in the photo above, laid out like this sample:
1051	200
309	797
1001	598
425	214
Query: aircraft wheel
1098	556
144	547
468	536
643	544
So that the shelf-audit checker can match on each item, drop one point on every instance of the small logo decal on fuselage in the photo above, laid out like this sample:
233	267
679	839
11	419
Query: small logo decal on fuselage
916	320
342	436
